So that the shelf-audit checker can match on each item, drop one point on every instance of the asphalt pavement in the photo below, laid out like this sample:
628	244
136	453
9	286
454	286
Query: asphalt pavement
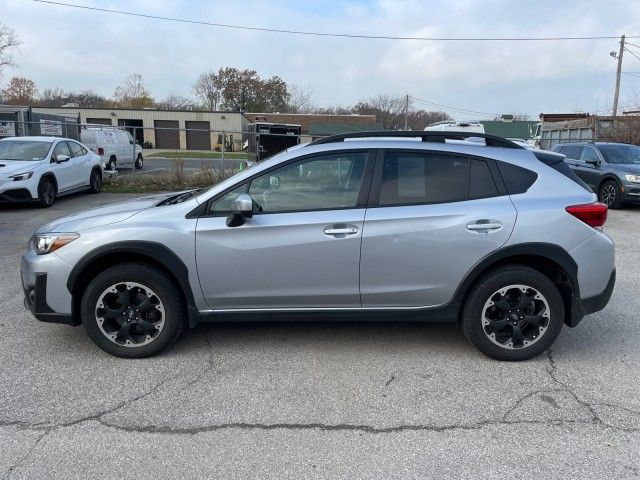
317	400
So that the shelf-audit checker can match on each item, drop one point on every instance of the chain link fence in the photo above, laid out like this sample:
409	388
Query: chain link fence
164	156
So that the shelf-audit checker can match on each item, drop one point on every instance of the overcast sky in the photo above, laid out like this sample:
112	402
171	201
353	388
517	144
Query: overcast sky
77	49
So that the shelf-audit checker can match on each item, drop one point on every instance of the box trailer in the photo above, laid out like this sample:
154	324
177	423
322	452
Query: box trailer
571	127
267	139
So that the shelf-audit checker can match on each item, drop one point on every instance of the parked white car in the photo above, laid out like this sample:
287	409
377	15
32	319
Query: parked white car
114	146
40	169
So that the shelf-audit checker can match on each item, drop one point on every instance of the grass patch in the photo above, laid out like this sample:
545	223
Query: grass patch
174	180
192	154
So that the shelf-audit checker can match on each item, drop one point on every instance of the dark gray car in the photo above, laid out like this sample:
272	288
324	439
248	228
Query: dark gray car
612	170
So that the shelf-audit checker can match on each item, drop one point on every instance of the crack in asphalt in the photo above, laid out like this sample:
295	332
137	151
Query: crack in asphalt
551	369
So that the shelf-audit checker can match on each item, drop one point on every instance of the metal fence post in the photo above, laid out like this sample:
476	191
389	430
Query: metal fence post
134	155
224	140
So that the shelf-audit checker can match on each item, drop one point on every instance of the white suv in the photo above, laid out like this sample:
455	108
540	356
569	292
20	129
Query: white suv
42	168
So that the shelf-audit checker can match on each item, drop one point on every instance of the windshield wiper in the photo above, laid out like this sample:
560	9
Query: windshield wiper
181	197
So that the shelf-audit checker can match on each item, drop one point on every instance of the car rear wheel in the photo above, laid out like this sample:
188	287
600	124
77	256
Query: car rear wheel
609	194
95	181
46	192
513	313
111	164
139	162
133	311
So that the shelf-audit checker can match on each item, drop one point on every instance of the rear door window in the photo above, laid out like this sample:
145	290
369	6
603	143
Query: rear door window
481	183
418	178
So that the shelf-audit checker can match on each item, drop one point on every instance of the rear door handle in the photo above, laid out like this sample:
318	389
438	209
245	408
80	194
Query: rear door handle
340	229
484	225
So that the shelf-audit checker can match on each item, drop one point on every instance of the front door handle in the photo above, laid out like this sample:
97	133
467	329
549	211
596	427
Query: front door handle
484	226
340	229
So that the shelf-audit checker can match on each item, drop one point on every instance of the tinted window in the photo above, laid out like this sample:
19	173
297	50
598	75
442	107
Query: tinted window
572	151
317	183
620	153
558	149
481	183
77	150
589	154
413	178
62	149
517	179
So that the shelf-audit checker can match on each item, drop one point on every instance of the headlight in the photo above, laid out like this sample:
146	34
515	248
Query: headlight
44	243
22	176
633	178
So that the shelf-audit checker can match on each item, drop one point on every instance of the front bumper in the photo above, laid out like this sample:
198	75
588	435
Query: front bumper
44	279
16	195
35	300
631	193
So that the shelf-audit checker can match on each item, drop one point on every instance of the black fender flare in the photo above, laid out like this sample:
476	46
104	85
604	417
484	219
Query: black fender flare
157	252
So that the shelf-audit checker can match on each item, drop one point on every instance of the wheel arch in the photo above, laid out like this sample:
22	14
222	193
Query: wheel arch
151	253
50	175
551	260
607	178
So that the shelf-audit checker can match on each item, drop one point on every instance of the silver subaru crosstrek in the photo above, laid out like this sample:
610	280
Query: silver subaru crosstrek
430	226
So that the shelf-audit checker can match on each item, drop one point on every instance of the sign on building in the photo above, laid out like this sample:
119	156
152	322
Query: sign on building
7	129
51	127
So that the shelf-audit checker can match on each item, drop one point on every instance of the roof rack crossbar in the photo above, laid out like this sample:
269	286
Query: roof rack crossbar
436	137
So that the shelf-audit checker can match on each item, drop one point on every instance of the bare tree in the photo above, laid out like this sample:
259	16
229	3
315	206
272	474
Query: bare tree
299	98
174	101
208	90
133	93
8	43
20	91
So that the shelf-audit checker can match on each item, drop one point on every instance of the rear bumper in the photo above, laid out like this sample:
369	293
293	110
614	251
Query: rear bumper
585	306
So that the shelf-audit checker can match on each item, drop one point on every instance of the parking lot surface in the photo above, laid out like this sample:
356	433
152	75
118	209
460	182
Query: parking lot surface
317	400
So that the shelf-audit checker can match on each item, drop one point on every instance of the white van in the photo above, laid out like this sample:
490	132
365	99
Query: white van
450	126
115	147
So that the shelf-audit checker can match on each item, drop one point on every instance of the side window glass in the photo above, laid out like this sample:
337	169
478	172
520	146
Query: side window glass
77	150
62	149
573	152
415	177
481	183
325	182
589	154
222	206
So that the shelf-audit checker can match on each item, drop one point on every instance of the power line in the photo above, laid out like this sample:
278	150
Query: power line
330	34
459	110
633	53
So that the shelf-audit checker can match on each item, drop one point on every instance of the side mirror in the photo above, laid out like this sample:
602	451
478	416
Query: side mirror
241	208
595	163
62	158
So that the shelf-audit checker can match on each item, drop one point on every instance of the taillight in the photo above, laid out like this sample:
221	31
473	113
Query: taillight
593	214
100	151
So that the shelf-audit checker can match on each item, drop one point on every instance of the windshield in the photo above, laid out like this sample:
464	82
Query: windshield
24	150
620	153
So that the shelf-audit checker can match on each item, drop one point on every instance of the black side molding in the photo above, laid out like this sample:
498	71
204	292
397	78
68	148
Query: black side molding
154	251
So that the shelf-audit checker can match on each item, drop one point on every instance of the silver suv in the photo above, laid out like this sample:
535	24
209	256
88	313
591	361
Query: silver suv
421	225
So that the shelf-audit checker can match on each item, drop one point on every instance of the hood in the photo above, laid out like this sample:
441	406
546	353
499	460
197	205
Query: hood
106	215
13	167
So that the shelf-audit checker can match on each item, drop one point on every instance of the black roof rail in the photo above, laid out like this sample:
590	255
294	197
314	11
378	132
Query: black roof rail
436	137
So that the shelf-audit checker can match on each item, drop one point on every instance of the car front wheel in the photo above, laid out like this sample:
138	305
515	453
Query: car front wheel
95	181
609	194
513	313
132	310
139	162
46	192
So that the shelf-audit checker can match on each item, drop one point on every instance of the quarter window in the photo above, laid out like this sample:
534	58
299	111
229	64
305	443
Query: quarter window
324	182
414	178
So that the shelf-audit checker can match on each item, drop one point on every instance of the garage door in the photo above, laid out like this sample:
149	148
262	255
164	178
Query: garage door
198	135
167	138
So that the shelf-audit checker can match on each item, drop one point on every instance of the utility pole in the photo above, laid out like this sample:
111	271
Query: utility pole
406	112
618	72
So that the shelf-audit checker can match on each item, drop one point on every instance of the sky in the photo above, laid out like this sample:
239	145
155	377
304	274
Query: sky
79	49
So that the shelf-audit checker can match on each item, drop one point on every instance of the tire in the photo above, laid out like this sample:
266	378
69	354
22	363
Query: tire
610	195
139	162
95	181
158	316
488	321
46	192
111	164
